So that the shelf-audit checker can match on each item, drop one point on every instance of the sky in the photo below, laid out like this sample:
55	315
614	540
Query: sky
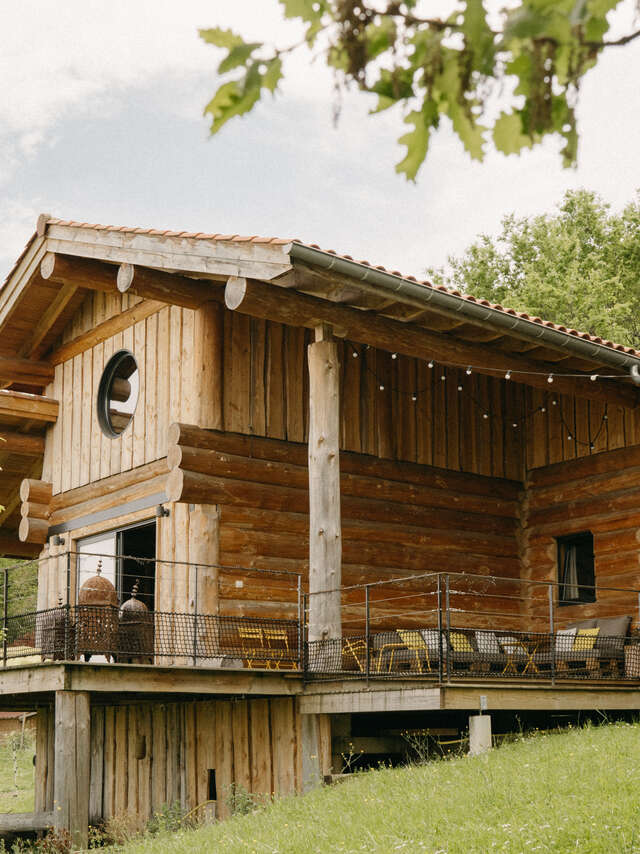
101	120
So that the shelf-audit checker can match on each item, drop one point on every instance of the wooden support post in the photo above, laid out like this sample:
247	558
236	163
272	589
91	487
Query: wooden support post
479	734
325	536
72	765
204	520
311	766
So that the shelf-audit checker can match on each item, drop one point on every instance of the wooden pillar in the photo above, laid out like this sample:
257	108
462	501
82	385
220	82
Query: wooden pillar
72	765
204	519
325	535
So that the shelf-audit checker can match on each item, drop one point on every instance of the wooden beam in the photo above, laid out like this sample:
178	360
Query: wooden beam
26	822
207	361
38	491
106	329
81	272
17	370
325	533
72	765
165	287
10	546
284	306
33	530
21	443
32	346
35	407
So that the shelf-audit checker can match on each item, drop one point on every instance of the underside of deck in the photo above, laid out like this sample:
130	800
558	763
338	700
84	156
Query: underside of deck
31	686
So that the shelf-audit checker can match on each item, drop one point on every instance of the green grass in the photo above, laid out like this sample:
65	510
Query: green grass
577	791
18	799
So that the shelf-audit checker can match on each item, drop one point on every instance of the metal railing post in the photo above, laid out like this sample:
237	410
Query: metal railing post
552	646
5	615
67	622
440	650
367	630
300	619
305	635
448	606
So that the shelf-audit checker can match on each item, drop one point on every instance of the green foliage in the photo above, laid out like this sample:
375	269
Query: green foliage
16	765
23	586
533	58
579	267
559	793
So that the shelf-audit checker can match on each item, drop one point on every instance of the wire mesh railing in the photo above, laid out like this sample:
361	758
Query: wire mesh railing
447	627
435	626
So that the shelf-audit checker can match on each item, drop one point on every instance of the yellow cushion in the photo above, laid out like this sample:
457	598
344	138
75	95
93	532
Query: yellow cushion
460	642
585	639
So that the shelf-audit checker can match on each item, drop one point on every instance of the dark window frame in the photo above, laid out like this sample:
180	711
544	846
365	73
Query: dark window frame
586	567
104	393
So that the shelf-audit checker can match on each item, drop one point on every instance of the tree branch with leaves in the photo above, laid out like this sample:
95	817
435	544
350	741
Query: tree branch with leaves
530	59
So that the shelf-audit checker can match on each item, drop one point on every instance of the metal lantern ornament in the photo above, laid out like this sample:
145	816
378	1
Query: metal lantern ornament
135	630
97	621
56	633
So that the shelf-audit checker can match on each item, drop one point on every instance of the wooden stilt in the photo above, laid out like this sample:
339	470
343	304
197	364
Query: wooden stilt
72	765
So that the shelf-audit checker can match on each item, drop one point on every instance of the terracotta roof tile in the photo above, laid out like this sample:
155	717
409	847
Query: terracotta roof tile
278	241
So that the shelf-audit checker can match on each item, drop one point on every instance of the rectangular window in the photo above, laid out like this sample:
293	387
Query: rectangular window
576	569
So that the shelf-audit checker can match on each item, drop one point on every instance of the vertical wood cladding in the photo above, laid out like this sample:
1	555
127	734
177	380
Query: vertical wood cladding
78	452
151	755
600	494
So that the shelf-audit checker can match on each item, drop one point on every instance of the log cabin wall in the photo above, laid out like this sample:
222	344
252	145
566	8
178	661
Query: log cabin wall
148	756
601	494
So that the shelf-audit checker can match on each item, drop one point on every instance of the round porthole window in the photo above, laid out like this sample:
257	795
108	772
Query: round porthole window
118	393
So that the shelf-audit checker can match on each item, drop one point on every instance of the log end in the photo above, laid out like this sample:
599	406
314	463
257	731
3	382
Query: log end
47	265
33	530
175	485
173	433
174	456
126	273
235	292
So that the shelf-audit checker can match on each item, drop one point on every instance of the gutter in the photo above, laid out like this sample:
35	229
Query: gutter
422	296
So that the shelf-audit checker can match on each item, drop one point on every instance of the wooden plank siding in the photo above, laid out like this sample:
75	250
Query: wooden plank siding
146	756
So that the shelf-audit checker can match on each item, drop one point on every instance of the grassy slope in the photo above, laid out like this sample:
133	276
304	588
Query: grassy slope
572	792
20	799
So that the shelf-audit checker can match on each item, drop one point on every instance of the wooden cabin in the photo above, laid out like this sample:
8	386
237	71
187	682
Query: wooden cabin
294	465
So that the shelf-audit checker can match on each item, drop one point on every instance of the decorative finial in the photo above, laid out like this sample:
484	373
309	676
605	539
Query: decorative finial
99	569
136	587
60	600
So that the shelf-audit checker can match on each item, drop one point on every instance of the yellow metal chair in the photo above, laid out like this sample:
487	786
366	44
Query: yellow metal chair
280	638
253	652
415	643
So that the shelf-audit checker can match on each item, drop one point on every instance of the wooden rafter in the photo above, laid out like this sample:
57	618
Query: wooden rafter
165	287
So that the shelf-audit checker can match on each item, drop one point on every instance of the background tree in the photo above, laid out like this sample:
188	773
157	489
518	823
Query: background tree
579	267
531	58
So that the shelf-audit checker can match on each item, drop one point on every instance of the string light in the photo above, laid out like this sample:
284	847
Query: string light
570	433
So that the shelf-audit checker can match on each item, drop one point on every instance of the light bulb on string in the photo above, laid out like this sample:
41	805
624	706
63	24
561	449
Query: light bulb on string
443	377
430	365
515	424
468	371
414	397
593	377
459	388
394	355
381	387
550	378
507	376
355	354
